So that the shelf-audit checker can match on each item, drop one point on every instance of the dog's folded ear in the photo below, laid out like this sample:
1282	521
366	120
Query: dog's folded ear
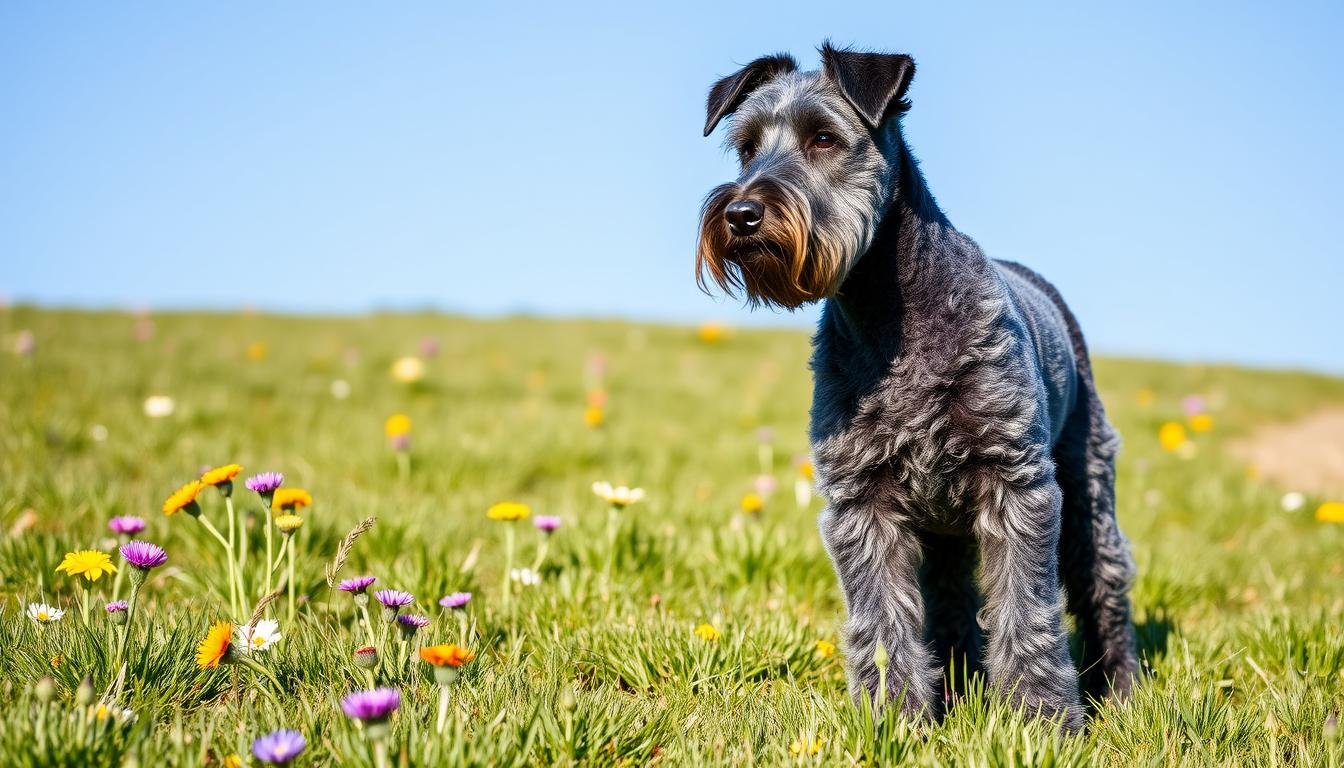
873	83
728	94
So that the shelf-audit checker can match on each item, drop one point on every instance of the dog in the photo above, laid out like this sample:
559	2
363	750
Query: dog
964	454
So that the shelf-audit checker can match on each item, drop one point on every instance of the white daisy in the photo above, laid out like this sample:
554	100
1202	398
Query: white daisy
618	496
1292	501
159	406
525	576
43	613
262	637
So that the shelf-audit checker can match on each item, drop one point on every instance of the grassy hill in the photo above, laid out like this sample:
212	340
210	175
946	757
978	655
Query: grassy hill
1239	603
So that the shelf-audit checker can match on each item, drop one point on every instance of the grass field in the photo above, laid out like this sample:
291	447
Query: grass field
1239	604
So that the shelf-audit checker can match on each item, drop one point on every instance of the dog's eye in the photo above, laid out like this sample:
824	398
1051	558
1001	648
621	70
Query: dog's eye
745	150
823	140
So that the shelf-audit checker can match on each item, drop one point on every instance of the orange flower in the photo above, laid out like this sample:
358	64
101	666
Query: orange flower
182	498
220	474
446	655
291	498
215	647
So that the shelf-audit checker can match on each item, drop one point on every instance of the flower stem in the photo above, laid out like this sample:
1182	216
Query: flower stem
84	610
508	565
270	553
242	549
380	753
280	557
228	555
234	590
613	523
290	577
404	466
443	708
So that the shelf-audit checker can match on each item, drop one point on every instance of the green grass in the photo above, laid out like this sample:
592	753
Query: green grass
1239	604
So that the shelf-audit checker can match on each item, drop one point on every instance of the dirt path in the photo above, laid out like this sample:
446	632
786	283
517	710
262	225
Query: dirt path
1305	455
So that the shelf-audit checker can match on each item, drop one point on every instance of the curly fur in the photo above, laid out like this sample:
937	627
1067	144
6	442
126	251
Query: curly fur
964	454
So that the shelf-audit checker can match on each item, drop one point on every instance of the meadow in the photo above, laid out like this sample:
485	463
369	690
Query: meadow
697	626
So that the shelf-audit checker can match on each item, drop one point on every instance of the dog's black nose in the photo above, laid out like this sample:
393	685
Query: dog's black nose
744	217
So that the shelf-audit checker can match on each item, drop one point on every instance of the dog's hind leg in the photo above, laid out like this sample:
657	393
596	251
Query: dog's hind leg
953	599
1095	561
877	560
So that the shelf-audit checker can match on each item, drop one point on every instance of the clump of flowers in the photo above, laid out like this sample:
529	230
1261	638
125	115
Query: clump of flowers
279	747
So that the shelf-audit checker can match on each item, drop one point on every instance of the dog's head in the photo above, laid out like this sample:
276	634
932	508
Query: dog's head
817	153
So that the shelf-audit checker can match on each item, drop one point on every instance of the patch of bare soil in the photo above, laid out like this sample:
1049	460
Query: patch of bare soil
1305	455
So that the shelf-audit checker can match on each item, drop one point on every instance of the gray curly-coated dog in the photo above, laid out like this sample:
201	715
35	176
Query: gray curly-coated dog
964	454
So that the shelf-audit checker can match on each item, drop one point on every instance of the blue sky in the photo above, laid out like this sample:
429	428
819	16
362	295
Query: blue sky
1175	170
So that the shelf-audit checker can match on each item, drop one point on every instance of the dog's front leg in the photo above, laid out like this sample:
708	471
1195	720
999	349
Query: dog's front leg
877	560
1027	652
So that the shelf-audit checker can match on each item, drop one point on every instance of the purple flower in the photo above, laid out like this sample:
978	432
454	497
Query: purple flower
546	523
376	705
429	347
394	598
400	442
143	555
356	585
279	747
117	606
455	600
410	622
126	525
265	483
1193	405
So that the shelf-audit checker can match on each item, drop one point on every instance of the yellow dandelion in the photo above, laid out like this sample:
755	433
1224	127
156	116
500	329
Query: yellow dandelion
509	511
219	475
397	425
215	647
288	523
708	633
1331	512
752	503
290	499
182	498
593	416
806	471
233	761
710	333
1201	422
89	563
825	649
799	747
1171	436
256	351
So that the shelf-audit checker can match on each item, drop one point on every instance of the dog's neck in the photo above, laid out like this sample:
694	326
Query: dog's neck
902	274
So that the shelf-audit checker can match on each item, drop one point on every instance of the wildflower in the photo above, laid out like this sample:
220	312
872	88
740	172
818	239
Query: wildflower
102	713
410	623
221	478
45	689
546	523
446	660
25	343
288	523
799	747
397	425
44	614
290	499
618	496
1201	422
408	370
183	500
594	416
752	503
1193	405
508	511
1292	501
366	657
825	649
765	485
597	398
260	638
393	601
256	351
264	484
1171	436
372	707
358	585
89	563
806	470
340	389
455	601
143	556
710	333
233	761
429	347
1331	512
1145	396
98	432
159	406
525	576
446	655
708	633
279	747
126	525
117	611
216	646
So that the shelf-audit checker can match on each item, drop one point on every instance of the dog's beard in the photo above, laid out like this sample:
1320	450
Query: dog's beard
783	264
